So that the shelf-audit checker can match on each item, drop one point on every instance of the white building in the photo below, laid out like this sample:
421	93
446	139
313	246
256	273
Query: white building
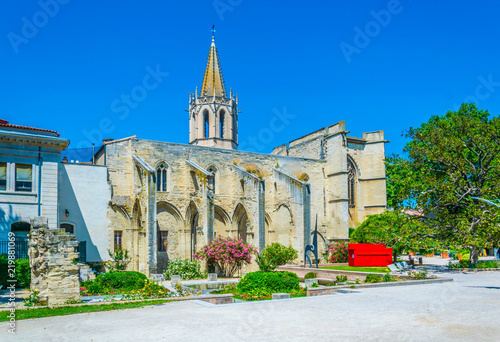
29	162
33	182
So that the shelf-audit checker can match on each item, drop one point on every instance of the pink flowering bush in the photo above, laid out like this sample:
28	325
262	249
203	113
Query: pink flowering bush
229	254
338	252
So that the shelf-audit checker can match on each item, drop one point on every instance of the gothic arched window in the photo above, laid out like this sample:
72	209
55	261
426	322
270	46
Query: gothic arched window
161	177
351	182
221	123
206	131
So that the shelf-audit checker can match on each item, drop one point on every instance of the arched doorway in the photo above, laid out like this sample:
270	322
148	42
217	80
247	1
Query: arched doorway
240	219
284	230
168	222
192	220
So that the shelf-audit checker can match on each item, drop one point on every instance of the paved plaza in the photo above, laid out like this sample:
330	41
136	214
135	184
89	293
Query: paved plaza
467	309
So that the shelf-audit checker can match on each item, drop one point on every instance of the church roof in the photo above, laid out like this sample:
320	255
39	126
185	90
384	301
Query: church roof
213	82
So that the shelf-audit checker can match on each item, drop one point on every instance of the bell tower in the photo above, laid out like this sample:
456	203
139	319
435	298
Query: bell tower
213	116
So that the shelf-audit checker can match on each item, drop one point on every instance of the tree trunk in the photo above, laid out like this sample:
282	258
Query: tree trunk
474	255
394	255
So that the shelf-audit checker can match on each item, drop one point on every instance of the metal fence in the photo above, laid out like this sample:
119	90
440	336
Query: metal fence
20	248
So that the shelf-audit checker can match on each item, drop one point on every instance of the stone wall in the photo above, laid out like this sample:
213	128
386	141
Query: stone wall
53	271
273	207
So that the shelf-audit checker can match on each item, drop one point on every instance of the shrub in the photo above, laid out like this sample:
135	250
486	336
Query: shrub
92	287
488	264
341	278
229	254
115	281
268	282
481	264
338	252
462	264
4	275
418	275
119	260
33	299
187	269
310	275
276	255
264	264
388	278
128	280
23	272
150	289
373	278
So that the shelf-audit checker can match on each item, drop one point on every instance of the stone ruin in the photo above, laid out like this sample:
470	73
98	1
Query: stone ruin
53	270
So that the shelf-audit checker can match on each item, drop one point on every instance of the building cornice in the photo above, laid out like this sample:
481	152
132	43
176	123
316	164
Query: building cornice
34	139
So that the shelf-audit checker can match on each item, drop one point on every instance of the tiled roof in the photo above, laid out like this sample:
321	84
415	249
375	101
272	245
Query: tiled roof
4	123
213	82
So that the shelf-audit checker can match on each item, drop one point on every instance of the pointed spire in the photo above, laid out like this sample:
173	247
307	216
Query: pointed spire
213	82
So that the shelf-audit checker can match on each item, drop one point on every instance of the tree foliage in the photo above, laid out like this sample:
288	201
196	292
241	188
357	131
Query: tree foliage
402	181
119	260
451	159
395	230
276	255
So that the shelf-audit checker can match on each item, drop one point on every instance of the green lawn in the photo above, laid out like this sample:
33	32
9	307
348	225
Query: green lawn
358	269
70	310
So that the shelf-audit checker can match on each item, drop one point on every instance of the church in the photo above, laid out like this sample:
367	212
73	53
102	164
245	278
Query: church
162	200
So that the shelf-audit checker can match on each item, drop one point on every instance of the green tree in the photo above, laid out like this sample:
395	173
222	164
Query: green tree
395	230
457	158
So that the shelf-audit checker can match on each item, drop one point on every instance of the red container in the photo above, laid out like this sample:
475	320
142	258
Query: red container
366	254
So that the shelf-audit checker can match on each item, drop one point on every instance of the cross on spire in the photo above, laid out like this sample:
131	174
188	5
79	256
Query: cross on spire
213	31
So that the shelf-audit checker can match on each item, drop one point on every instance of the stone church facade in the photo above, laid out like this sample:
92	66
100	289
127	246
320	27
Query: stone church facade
168	200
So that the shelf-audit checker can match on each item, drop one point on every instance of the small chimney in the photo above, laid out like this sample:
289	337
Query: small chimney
65	159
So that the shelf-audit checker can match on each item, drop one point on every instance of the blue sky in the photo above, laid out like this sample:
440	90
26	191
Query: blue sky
378	65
